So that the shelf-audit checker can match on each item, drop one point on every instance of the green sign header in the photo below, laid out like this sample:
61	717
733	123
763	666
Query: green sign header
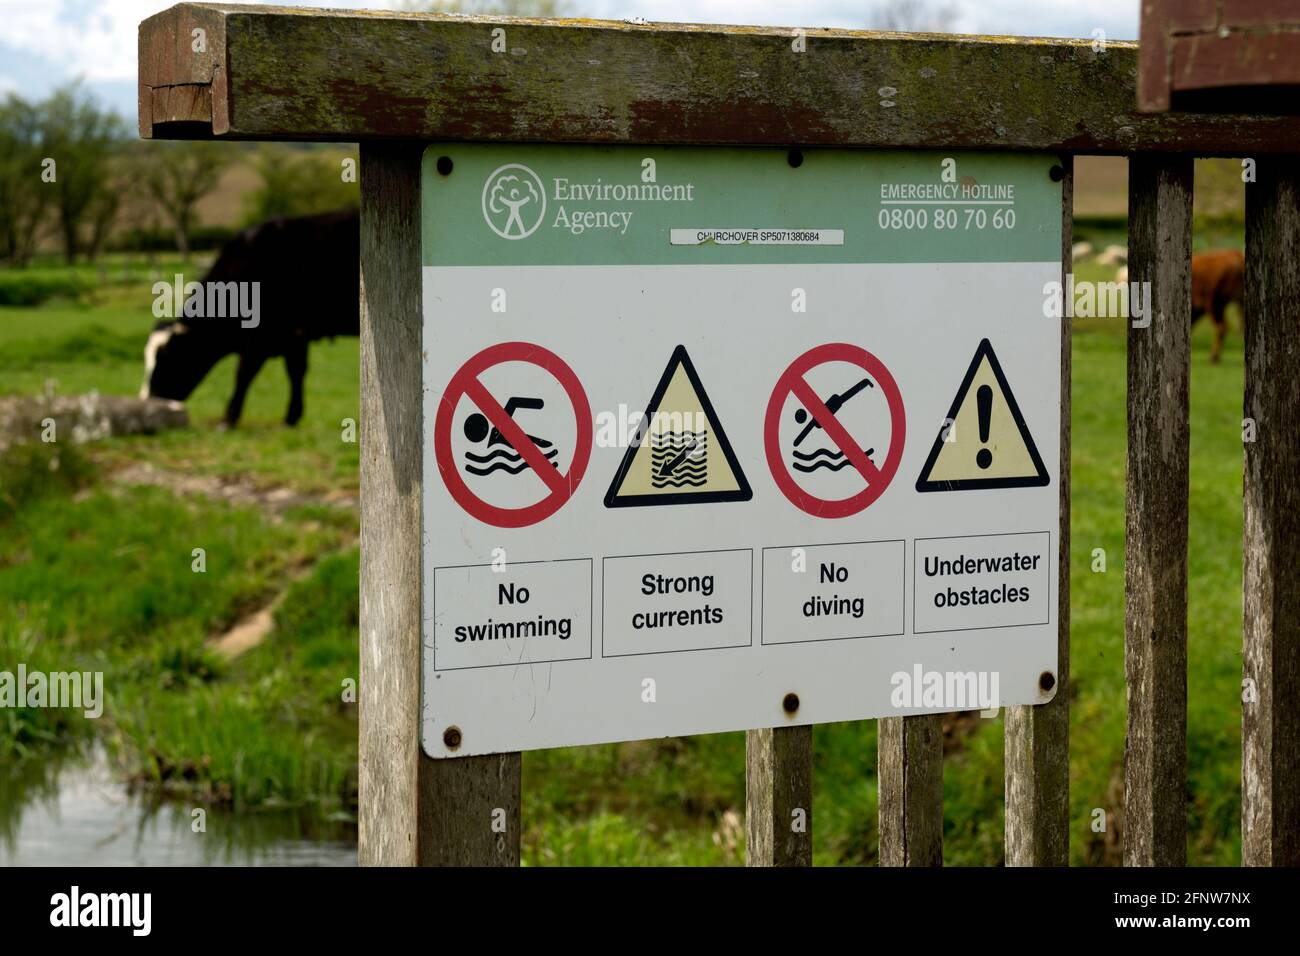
623	205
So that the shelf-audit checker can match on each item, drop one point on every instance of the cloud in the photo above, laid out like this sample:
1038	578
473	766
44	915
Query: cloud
47	43
1061	18
76	38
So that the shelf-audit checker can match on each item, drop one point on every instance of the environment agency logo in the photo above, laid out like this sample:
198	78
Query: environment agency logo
513	197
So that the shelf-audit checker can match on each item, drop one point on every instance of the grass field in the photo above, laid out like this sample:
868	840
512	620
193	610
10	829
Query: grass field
96	573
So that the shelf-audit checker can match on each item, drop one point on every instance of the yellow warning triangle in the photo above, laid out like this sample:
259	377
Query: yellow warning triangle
987	443
680	455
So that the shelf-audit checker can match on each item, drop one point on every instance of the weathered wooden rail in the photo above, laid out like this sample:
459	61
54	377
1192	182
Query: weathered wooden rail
1208	54
394	81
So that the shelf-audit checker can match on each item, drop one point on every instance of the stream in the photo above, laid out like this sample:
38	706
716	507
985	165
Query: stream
71	811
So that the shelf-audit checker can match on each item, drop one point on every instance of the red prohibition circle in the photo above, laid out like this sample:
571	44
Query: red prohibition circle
792	382
465	383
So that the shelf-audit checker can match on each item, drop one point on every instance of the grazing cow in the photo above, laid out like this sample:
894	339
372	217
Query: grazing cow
1217	279
308	273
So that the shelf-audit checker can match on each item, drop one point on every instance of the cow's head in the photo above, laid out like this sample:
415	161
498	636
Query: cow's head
176	358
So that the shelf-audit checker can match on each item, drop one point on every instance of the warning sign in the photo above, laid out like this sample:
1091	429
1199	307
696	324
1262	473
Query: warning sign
984	442
500	449
671	452
680	455
822	433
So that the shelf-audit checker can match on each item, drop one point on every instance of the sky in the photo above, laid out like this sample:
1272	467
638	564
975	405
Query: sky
44	43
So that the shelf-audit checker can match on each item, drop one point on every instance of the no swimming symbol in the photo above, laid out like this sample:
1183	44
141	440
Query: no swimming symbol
508	447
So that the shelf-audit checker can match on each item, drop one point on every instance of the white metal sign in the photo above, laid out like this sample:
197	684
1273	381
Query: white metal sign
717	441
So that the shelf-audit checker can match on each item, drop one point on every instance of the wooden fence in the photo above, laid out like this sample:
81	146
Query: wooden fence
395	81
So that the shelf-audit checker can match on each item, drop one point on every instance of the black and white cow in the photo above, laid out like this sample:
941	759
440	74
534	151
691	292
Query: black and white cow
308	273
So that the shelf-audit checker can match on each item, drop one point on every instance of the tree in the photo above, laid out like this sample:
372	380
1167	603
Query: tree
177	175
915	16
295	182
24	198
119	205
82	139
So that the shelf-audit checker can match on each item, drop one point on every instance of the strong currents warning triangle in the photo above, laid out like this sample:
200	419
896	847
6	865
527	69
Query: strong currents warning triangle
680	455
984	443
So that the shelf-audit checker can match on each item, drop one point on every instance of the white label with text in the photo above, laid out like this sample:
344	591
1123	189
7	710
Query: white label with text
971	583
529	612
832	591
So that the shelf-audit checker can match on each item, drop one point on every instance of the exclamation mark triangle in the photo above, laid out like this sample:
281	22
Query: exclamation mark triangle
985	442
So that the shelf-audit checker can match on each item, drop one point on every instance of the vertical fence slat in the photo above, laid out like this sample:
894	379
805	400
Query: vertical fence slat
461	801
389	685
910	767
778	783
413	810
1270	727
1155	578
1037	739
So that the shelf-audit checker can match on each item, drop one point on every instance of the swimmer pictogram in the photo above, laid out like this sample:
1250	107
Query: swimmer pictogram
507	449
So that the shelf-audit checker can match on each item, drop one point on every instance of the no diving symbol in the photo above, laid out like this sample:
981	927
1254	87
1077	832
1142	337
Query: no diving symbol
819	413
510	449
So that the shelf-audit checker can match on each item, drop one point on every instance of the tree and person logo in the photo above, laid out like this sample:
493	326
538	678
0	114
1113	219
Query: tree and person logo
514	201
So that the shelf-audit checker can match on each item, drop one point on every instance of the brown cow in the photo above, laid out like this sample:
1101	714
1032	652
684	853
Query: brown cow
1217	278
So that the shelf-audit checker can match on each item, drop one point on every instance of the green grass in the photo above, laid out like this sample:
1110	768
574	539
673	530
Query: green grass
114	568
684	788
82	349
113	278
98	576
106	582
1217	232
271	728
95	575
97	344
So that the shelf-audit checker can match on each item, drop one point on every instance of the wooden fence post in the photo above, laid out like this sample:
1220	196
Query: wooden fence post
413	810
1155	575
1037	739
910	770
1270	725
778	783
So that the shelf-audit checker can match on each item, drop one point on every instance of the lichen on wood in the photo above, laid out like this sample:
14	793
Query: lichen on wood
279	73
